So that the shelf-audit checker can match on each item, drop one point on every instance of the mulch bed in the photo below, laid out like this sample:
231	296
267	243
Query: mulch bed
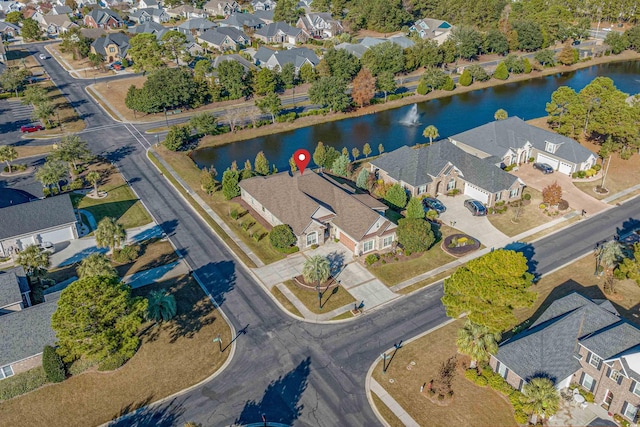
458	251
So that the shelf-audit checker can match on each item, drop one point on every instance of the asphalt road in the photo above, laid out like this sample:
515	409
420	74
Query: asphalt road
294	373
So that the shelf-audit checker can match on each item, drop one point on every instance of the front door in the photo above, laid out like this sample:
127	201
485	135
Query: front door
608	397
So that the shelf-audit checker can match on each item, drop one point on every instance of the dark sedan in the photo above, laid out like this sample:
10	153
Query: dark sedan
545	168
435	204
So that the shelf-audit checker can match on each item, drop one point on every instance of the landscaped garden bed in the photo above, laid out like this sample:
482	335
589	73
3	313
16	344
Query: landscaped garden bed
459	245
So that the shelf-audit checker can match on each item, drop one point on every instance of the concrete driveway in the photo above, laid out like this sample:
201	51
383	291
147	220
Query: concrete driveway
577	198
477	227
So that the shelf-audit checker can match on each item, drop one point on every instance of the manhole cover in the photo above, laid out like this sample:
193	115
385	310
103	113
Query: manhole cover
391	380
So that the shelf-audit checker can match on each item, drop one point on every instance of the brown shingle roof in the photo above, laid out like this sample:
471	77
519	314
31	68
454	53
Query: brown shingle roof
294	199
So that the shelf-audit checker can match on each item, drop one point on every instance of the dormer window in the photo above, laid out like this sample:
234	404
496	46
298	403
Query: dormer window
550	147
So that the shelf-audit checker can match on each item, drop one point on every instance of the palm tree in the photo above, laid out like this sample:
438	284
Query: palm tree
94	178
96	265
316	269
51	173
430	132
477	342
110	234
33	260
501	114
8	154
541	397
161	306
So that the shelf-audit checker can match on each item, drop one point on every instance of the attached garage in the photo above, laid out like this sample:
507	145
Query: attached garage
475	192
548	160
565	168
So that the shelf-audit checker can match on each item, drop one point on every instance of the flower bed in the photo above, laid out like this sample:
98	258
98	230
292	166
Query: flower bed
460	244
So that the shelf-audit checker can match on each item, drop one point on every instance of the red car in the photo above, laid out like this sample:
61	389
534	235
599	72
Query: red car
31	128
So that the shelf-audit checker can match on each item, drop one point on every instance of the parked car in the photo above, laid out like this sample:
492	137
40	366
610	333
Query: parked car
475	207
42	56
544	167
34	127
433	203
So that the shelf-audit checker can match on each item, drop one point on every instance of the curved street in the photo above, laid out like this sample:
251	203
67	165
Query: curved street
291	372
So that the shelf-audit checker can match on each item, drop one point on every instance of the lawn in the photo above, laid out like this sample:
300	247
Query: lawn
185	167
120	202
63	111
471	406
530	216
172	357
331	299
153	253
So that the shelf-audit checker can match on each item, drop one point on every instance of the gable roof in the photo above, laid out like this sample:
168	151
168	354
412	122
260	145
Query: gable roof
121	40
34	216
24	333
13	283
272	29
497	137
418	166
293	199
549	345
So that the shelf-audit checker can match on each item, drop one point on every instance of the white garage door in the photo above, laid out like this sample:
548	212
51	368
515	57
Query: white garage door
565	168
548	160
475	192
57	236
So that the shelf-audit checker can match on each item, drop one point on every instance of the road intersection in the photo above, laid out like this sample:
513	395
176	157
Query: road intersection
292	372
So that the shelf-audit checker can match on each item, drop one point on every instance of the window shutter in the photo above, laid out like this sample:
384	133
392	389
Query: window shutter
633	386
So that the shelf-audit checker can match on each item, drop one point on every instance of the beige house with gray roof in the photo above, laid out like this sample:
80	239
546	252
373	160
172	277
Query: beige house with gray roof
318	209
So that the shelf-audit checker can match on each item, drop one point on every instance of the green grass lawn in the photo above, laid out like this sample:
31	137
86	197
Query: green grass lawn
120	202
331	299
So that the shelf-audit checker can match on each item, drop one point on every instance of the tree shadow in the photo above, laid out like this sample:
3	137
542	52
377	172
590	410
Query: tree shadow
280	402
528	251
219	278
139	414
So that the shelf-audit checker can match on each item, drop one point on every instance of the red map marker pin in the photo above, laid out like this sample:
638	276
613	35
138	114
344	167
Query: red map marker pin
301	157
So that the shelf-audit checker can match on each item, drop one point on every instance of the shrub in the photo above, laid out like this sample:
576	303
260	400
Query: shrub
53	365
371	259
282	237
127	254
112	362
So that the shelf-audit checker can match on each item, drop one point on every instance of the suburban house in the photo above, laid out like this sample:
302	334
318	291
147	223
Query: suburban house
186	11
14	290
112	47
271	59
242	21
318	209
513	141
581	341
222	7
263	4
320	25
24	333
103	18
195	26
280	32
224	38
44	220
442	167
433	29
8	30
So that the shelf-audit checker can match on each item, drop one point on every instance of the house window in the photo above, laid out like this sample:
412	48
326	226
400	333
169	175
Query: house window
387	241
5	372
312	238
630	411
587	382
595	361
502	370
451	185
367	246
514	193
422	189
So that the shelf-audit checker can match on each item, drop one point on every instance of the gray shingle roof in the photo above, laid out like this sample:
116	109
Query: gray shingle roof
34	216
26	332
549	345
418	166
497	137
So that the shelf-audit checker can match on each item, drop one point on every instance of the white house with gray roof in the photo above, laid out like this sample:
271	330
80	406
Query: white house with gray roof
442	168
578	341
45	220
512	140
